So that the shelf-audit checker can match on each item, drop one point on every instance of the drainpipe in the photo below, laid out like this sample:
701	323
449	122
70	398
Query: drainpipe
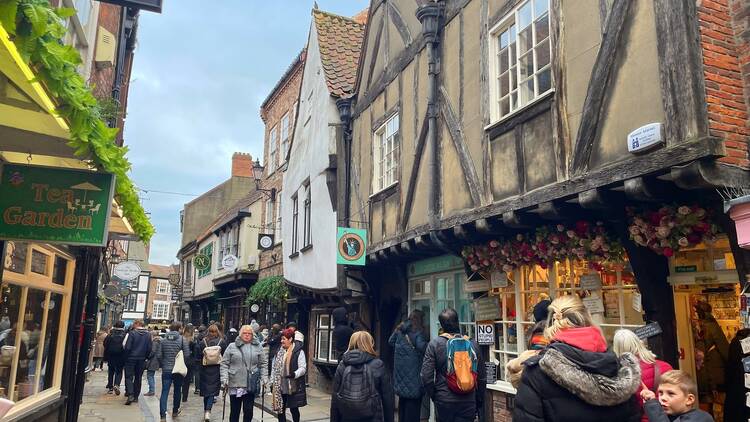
344	106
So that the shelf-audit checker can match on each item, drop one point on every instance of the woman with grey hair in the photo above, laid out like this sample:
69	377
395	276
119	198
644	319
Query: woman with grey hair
243	371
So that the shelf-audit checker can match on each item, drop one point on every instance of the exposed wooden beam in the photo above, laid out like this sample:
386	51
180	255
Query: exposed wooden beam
602	73
375	50
646	189
594	199
460	232
554	210
515	220
560	128
398	22
487	226
708	174
412	186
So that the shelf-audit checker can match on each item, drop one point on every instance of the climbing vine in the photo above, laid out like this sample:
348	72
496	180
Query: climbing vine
272	290
37	31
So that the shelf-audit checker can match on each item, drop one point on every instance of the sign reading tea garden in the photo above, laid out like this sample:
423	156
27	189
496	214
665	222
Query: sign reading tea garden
55	205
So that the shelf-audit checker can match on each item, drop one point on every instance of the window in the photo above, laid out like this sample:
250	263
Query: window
286	124
35	296
307	239
160	310
386	154
273	155
324	339
268	224
222	246
521	66
277	223
295	217
130	303
207	250
83	9
162	287
234	240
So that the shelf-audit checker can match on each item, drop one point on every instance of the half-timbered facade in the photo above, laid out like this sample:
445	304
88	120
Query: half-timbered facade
481	120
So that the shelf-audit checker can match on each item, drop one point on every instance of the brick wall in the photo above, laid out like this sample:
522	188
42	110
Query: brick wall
103	79
724	36
500	410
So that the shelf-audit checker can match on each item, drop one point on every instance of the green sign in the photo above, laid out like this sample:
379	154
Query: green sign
435	265
351	246
201	262
55	205
686	269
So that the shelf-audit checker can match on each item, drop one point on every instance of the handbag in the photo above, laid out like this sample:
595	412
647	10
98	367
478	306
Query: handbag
253	377
179	363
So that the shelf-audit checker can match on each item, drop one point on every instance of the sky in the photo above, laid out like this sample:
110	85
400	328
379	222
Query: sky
200	73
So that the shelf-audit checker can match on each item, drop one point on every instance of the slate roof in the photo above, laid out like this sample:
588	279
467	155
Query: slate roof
340	43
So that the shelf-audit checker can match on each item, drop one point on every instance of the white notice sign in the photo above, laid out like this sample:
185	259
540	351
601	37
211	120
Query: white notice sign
594	304
591	282
637	305
487	309
476	286
486	334
644	138
745	343
747	380
498	280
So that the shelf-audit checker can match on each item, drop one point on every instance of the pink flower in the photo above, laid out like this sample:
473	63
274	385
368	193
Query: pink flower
668	252
684	210
571	234
474	267
700	212
560	228
683	241
494	243
634	230
662	232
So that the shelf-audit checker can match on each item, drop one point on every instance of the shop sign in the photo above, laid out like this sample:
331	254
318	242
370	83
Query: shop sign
686	268
491	370
54	205
649	330
745	343
485	334
174	279
351	246
229	262
476	286
498	280
487	309
201	262
591	282
644	138
127	270
435	265
594	304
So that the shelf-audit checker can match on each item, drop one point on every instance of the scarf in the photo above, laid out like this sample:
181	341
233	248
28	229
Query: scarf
288	359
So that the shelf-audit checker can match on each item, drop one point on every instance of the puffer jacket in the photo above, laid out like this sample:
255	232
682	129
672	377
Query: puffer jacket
238	358
575	379
168	349
408	350
381	381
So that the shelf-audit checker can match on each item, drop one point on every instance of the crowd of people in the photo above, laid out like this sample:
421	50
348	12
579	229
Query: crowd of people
568	374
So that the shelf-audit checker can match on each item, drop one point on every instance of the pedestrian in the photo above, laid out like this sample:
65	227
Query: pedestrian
362	389
575	378
298	336
713	343
734	405
170	346
114	354
99	348
188	333
625	341
153	364
451	405
197	357
232	335
243	371
676	402
274	344
137	346
537	342
288	377
210	348
409	344
342	331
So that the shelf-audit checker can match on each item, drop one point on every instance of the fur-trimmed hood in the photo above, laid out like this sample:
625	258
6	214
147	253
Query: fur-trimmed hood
598	378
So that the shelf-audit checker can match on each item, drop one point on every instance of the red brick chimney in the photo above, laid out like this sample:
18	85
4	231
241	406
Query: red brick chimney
242	164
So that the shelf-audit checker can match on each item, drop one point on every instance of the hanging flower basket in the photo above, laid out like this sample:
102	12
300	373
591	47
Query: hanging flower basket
739	211
671	228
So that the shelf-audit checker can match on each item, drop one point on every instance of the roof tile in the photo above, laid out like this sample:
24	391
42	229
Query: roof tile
340	43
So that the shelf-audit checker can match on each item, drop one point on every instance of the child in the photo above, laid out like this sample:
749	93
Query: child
677	393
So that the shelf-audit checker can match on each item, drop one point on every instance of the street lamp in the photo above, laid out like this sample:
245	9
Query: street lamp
258	176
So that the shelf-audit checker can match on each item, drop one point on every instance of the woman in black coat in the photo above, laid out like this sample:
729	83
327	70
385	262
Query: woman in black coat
575	378
210	378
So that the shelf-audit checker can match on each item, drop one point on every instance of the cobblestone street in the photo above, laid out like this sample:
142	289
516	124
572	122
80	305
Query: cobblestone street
98	406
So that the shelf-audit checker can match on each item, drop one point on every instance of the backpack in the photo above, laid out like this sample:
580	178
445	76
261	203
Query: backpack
211	354
357	397
462	364
114	346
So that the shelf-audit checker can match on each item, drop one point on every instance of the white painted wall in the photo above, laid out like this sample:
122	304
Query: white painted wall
313	141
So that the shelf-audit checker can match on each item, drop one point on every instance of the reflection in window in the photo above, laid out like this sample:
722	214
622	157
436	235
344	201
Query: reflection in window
46	368
59	271
15	256
38	262
12	348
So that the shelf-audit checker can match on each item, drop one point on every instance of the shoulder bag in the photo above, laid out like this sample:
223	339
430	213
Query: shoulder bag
253	377
179	361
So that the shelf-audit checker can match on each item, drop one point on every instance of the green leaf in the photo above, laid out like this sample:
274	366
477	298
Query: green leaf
8	10
65	12
38	17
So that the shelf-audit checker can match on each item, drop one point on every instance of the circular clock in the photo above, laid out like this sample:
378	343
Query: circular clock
265	241
254	308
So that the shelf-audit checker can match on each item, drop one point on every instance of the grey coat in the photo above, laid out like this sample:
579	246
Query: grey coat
233	369
168	349
152	364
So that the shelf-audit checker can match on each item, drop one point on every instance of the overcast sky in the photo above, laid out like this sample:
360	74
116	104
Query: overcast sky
201	70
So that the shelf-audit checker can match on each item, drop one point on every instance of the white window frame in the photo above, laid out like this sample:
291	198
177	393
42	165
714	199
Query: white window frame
273	158
277	220
324	330
162	287
513	95
295	223
386	154
286	134
307	217
160	309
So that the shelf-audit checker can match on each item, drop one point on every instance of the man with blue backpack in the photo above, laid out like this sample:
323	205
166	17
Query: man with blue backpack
452	372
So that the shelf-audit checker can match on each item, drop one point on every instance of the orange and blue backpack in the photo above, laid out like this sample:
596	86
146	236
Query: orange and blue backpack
462	364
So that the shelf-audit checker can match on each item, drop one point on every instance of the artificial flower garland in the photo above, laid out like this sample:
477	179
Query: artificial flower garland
583	240
671	228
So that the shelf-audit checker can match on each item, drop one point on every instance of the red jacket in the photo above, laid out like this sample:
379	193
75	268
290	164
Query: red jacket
647	376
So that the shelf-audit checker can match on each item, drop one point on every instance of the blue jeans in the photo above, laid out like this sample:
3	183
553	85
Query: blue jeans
208	402
151	381
167	378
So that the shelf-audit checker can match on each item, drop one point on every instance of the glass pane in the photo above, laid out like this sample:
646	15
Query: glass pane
504	84
504	106
542	28
10	302
526	92
59	270
504	39
503	58
324	344
51	339
544	81
526	66
524	40
35	307
514	100
15	257
542	55
513	78
524	15
540	6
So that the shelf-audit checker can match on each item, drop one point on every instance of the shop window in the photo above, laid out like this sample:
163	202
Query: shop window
34	304
324	339
130	302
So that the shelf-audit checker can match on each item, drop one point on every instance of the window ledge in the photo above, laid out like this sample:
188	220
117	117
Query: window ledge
385	192
519	112
306	248
294	255
502	386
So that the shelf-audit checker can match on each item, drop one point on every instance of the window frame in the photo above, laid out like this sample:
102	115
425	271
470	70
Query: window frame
162	287
307	220
162	305
295	223
273	159
323	330
286	134
511	20
382	177
277	220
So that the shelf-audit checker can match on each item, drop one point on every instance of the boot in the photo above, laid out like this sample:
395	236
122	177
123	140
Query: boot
130	399
207	415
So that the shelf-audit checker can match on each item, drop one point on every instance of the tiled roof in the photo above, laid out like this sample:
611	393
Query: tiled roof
160	271
340	43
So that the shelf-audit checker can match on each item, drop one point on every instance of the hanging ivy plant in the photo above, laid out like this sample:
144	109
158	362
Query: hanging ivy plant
271	290
37	31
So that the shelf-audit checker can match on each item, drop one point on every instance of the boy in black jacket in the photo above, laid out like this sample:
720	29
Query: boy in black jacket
137	347
676	403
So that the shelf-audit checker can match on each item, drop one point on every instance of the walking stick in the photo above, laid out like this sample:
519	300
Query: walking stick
224	407
262	401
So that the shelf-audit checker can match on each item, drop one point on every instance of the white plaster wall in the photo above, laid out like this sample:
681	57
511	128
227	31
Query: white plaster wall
316	267
248	249
205	284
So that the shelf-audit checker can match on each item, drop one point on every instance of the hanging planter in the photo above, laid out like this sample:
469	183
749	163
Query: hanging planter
671	228
739	211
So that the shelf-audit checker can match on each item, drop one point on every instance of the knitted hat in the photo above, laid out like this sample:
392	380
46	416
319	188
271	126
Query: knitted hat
540	310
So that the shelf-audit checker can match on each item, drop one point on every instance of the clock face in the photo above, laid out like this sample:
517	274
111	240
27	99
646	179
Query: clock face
254	307
266	241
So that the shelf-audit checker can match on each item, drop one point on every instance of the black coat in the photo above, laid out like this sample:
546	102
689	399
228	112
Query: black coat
342	332
734	406
210	379
382	383
298	397
567	384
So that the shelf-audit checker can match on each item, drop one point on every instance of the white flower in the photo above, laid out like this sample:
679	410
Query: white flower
662	232
684	210
683	241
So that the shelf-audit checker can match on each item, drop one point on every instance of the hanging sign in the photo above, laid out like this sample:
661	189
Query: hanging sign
229	262
487	309
54	205
591	281
491	371
201	262
649	330
485	334
498	280
645	138
594	304
476	286
127	270
637	304
265	241
351	246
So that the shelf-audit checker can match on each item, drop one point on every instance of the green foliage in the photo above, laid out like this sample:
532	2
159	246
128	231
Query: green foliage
37	31
271	290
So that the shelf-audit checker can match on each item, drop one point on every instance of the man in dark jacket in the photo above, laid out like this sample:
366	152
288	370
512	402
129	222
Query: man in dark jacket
137	345
409	343
450	406
342	331
197	357
115	357
172	344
